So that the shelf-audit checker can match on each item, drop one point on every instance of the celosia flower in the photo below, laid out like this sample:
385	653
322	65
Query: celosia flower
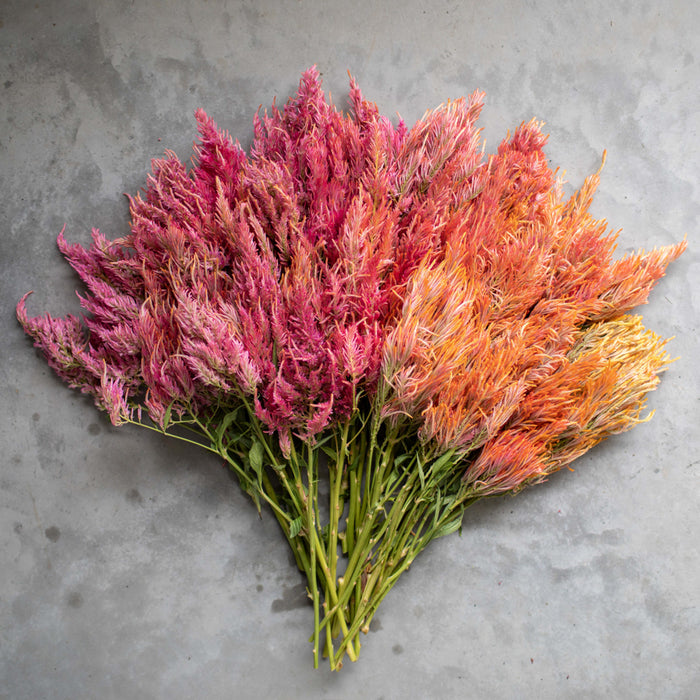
439	325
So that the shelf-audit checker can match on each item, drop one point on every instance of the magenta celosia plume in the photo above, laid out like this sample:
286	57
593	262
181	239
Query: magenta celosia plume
434	324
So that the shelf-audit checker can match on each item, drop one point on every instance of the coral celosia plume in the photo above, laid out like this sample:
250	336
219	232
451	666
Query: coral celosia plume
433	324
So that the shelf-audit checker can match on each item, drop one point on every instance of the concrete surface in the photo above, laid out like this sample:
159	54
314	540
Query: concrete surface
135	568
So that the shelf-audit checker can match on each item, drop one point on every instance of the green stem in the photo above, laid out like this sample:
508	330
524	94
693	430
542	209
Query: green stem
318	558
173	435
311	527
355	496
367	534
336	477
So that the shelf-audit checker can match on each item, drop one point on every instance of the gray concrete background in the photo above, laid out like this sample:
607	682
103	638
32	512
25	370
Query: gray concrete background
135	568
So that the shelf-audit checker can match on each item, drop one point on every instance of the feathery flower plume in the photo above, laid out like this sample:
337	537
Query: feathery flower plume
384	307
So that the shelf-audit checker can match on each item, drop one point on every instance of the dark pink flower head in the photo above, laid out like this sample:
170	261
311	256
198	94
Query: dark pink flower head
219	161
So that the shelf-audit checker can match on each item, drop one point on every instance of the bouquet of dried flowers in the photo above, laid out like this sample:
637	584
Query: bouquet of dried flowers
379	308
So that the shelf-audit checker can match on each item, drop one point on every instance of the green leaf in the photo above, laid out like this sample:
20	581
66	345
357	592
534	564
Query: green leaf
227	420
324	440
255	457
295	527
166	417
438	503
398	461
390	480
224	425
443	462
421	474
450	526
331	453
251	489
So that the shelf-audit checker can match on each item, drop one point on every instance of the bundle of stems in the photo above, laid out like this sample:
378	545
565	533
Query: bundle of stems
372	326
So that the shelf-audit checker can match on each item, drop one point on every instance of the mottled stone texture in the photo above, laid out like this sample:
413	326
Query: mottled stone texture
135	568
